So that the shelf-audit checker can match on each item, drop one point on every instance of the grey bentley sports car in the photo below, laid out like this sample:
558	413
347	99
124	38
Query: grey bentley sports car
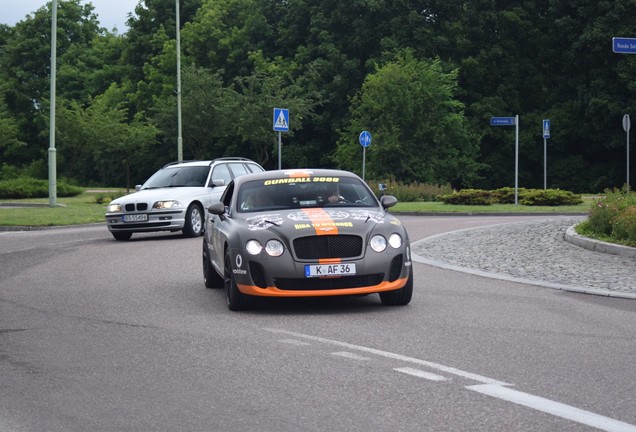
305	233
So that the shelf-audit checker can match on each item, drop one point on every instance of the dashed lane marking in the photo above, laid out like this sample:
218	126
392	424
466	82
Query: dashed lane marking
350	355
488	386
421	374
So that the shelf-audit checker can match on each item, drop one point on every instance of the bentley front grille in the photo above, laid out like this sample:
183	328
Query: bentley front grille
328	246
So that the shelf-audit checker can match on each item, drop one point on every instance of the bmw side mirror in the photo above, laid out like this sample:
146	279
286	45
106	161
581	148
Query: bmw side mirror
217	182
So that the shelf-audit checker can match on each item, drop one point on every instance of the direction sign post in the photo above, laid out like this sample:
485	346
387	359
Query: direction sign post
365	141
546	135
511	121
281	124
627	125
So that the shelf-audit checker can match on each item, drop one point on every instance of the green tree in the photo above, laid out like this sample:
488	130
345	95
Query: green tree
98	144
207	107
418	127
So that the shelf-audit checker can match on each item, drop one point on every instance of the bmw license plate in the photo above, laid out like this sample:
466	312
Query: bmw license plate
327	270
135	218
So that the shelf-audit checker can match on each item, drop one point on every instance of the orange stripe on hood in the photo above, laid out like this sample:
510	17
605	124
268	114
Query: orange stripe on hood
321	221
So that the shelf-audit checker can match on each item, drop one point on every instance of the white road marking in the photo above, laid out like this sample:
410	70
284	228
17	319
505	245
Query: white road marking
488	386
421	374
431	365
554	408
293	342
350	355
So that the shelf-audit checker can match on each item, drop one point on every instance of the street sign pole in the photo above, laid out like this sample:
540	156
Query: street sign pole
546	135
280	147
517	160
510	121
364	160
627	124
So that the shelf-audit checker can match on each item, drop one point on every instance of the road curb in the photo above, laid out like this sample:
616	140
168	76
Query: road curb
571	236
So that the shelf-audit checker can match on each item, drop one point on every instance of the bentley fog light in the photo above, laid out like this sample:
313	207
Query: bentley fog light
395	240
378	243
253	247
274	248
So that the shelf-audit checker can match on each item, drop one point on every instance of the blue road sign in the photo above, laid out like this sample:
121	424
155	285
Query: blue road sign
365	139
546	128
281	120
623	45
502	121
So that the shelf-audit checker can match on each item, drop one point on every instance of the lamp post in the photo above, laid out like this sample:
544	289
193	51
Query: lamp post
52	159
179	127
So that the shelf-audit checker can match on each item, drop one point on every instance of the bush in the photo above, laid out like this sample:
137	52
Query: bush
548	197
625	226
470	197
614	216
529	197
411	192
27	187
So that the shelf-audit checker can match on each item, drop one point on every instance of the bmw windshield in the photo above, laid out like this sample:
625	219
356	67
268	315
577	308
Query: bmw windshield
190	176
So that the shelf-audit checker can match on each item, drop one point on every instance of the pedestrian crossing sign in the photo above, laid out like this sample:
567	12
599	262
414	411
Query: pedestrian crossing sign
281	120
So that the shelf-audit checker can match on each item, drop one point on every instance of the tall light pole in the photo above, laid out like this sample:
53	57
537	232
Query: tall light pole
52	159
179	133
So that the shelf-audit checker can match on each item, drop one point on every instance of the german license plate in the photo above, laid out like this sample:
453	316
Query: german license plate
135	218
327	270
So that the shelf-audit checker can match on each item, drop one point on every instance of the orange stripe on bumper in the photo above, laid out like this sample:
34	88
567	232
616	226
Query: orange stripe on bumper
275	292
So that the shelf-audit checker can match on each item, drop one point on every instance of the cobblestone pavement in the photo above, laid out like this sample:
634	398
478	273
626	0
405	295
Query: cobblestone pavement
531	252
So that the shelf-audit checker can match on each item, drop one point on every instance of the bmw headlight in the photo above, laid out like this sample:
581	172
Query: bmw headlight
378	243
253	247
113	208
274	248
162	205
395	240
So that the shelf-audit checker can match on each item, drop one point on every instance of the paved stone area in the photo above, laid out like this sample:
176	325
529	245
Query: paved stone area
531	252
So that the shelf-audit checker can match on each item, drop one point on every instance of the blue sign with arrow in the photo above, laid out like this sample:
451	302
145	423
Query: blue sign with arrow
365	139
623	45
502	121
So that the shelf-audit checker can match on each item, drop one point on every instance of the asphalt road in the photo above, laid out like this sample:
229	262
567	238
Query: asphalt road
99	335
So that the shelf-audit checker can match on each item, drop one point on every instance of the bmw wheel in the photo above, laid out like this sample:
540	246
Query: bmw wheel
235	299
193	225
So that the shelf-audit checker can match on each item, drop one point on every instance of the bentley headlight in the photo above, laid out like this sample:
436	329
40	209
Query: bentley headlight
378	243
395	241
253	247
113	208
162	205
274	248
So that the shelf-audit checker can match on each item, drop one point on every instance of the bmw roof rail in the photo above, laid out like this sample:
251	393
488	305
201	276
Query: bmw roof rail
231	158
178	162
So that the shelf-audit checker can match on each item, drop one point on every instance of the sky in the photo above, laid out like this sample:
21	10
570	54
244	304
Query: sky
110	13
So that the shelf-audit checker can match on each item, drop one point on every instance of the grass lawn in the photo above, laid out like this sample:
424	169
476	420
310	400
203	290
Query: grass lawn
84	209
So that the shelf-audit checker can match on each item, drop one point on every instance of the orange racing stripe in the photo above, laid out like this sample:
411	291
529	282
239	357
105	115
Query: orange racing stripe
321	221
